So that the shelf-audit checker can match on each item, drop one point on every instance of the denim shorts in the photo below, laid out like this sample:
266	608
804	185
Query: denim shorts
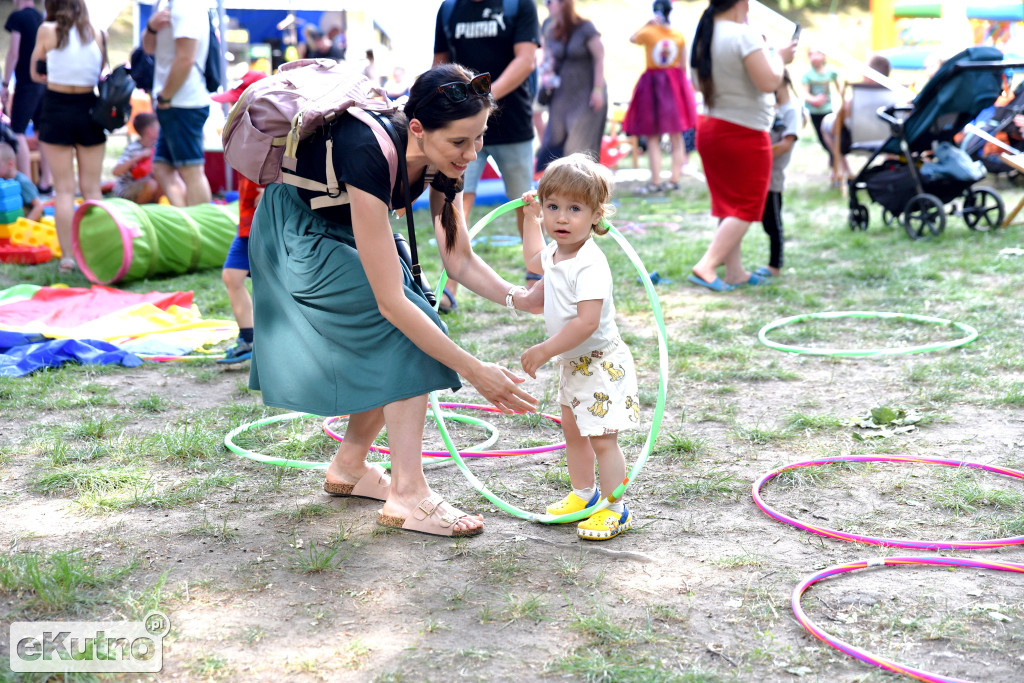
181	136
515	163
238	254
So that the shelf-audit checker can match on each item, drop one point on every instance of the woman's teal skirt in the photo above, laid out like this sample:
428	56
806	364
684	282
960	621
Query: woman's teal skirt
321	345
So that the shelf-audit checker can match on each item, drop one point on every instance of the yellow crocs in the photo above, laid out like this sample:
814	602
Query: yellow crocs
604	524
572	503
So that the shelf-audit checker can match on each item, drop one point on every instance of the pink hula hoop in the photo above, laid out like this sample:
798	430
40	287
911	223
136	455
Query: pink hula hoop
466	454
872	540
863	655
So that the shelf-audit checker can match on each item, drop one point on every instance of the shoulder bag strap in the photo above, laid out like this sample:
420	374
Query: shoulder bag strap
106	59
403	173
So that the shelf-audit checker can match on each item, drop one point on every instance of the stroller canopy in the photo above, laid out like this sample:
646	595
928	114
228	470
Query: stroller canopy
952	98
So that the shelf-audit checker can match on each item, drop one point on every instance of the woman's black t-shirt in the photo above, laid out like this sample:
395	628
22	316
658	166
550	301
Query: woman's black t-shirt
358	162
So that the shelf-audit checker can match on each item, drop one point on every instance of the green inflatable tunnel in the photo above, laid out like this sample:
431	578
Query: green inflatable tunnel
117	239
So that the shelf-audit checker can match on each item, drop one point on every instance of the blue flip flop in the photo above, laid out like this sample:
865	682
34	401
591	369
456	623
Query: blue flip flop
763	272
716	285
451	297
756	279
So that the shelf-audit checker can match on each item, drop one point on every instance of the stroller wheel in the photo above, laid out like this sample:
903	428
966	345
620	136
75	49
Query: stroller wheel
983	209
889	218
924	214
859	217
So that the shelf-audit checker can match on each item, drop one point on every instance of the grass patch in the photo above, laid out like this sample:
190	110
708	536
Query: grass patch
710	485
64	581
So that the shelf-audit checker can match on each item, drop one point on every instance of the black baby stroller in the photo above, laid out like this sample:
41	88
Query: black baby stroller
964	86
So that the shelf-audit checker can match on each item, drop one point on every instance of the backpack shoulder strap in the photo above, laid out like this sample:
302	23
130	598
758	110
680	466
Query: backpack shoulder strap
511	8
333	195
209	46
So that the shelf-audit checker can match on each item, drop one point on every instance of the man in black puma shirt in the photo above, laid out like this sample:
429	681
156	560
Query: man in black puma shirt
479	35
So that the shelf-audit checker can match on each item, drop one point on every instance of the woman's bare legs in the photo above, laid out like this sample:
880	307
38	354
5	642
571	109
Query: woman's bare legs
725	250
349	464
679	156
62	160
90	170
654	154
404	420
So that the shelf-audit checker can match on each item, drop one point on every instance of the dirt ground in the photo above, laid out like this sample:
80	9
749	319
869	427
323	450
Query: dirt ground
699	591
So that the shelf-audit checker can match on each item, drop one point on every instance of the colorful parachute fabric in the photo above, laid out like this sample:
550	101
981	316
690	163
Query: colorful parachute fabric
48	326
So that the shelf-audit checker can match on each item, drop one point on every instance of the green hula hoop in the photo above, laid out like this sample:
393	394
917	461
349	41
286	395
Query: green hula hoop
659	408
970	334
229	442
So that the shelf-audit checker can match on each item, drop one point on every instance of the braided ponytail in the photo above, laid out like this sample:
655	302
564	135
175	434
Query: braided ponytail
449	187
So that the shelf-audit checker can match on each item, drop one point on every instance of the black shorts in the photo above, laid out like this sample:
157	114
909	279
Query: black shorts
65	120
26	104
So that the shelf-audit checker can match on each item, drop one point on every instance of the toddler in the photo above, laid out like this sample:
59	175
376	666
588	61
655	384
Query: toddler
32	205
783	135
134	170
597	386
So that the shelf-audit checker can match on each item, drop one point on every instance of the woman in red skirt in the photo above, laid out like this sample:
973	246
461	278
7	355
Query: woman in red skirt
663	100
737	75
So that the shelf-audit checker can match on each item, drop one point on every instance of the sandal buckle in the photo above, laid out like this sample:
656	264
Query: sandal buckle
432	502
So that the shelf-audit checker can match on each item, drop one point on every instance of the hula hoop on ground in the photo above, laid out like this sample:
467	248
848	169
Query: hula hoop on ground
230	444
970	334
872	540
863	655
477	451
659	408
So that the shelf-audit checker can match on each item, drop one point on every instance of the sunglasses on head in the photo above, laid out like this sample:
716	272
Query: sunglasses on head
460	91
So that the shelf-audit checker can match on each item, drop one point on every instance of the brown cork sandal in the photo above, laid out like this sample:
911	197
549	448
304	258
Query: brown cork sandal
374	485
432	516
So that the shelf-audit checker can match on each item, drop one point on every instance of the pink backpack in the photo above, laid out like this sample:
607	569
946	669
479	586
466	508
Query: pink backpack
274	114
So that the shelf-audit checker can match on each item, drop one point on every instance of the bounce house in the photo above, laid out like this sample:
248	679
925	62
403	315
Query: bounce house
908	32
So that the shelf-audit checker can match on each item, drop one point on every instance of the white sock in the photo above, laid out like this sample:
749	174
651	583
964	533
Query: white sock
585	494
618	507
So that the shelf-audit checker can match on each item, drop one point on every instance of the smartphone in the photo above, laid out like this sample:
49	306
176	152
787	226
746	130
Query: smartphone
41	66
796	33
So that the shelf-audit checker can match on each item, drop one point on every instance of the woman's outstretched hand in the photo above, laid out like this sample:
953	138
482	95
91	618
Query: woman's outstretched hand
501	387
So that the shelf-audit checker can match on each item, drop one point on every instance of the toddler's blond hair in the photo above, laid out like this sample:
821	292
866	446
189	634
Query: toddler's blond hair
582	179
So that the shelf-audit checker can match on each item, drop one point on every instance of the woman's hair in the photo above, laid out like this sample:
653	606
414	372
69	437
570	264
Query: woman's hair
581	179
436	114
663	8
67	14
700	54
566	21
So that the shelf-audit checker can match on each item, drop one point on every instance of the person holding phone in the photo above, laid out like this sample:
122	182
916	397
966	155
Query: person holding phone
737	74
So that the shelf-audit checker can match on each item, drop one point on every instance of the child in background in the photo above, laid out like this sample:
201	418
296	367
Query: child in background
663	100
134	170
32	205
783	135
236	265
597	386
819	82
